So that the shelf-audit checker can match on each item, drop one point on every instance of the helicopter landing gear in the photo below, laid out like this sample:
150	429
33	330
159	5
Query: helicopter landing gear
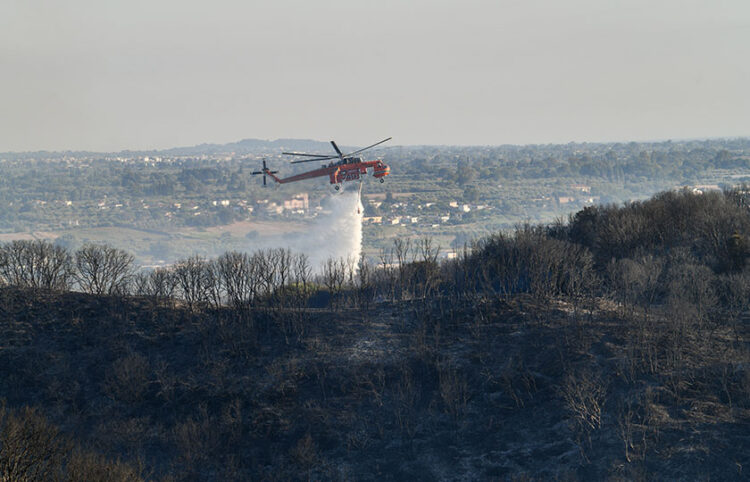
382	180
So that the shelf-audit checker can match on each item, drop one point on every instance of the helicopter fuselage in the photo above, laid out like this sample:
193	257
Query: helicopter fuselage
347	169
342	168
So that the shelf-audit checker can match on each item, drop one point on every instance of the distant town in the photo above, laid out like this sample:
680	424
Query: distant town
164	204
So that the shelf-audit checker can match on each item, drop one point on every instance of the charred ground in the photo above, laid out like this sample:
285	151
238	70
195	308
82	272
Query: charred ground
612	346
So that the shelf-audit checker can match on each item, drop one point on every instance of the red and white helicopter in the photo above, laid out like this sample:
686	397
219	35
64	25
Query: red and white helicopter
342	168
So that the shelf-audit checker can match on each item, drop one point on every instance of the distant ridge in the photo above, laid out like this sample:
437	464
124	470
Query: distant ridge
245	146
249	146
274	147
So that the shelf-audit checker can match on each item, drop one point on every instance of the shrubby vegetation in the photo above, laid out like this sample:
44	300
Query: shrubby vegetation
32	449
614	344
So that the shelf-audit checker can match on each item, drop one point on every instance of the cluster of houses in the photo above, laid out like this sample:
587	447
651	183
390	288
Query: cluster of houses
392	220
395	212
699	188
299	204
402	213
580	194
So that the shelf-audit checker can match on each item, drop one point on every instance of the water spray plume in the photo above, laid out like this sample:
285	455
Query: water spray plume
337	233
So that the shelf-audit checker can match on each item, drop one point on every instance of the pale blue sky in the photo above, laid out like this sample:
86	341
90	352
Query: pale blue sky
108	75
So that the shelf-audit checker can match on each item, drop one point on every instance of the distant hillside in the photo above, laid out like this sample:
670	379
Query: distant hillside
262	146
251	146
245	146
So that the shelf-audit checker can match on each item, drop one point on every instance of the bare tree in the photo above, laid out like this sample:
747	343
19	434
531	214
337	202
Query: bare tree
30	448
91	466
235	271
285	268
387	272
267	272
214	283
694	285
302	272
161	284
583	393
139	283
255	277
364	283
578	275
401	248
334	275
103	270
192	281
427	268
36	264
735	289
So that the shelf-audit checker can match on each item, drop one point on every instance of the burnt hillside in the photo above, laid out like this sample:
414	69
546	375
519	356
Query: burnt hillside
612	346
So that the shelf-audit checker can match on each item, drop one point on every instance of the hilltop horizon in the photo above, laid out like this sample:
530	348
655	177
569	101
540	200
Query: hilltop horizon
254	144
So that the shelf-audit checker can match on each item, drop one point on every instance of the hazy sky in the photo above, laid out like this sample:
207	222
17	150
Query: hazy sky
107	75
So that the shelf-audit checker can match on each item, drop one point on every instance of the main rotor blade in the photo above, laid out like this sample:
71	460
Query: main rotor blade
341	154
368	147
304	154
316	159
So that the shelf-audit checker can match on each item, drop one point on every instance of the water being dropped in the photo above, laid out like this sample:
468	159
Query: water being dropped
336	232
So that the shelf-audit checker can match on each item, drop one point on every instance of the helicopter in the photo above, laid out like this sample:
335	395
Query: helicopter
342	168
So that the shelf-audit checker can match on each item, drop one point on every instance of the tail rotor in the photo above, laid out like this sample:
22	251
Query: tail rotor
265	171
